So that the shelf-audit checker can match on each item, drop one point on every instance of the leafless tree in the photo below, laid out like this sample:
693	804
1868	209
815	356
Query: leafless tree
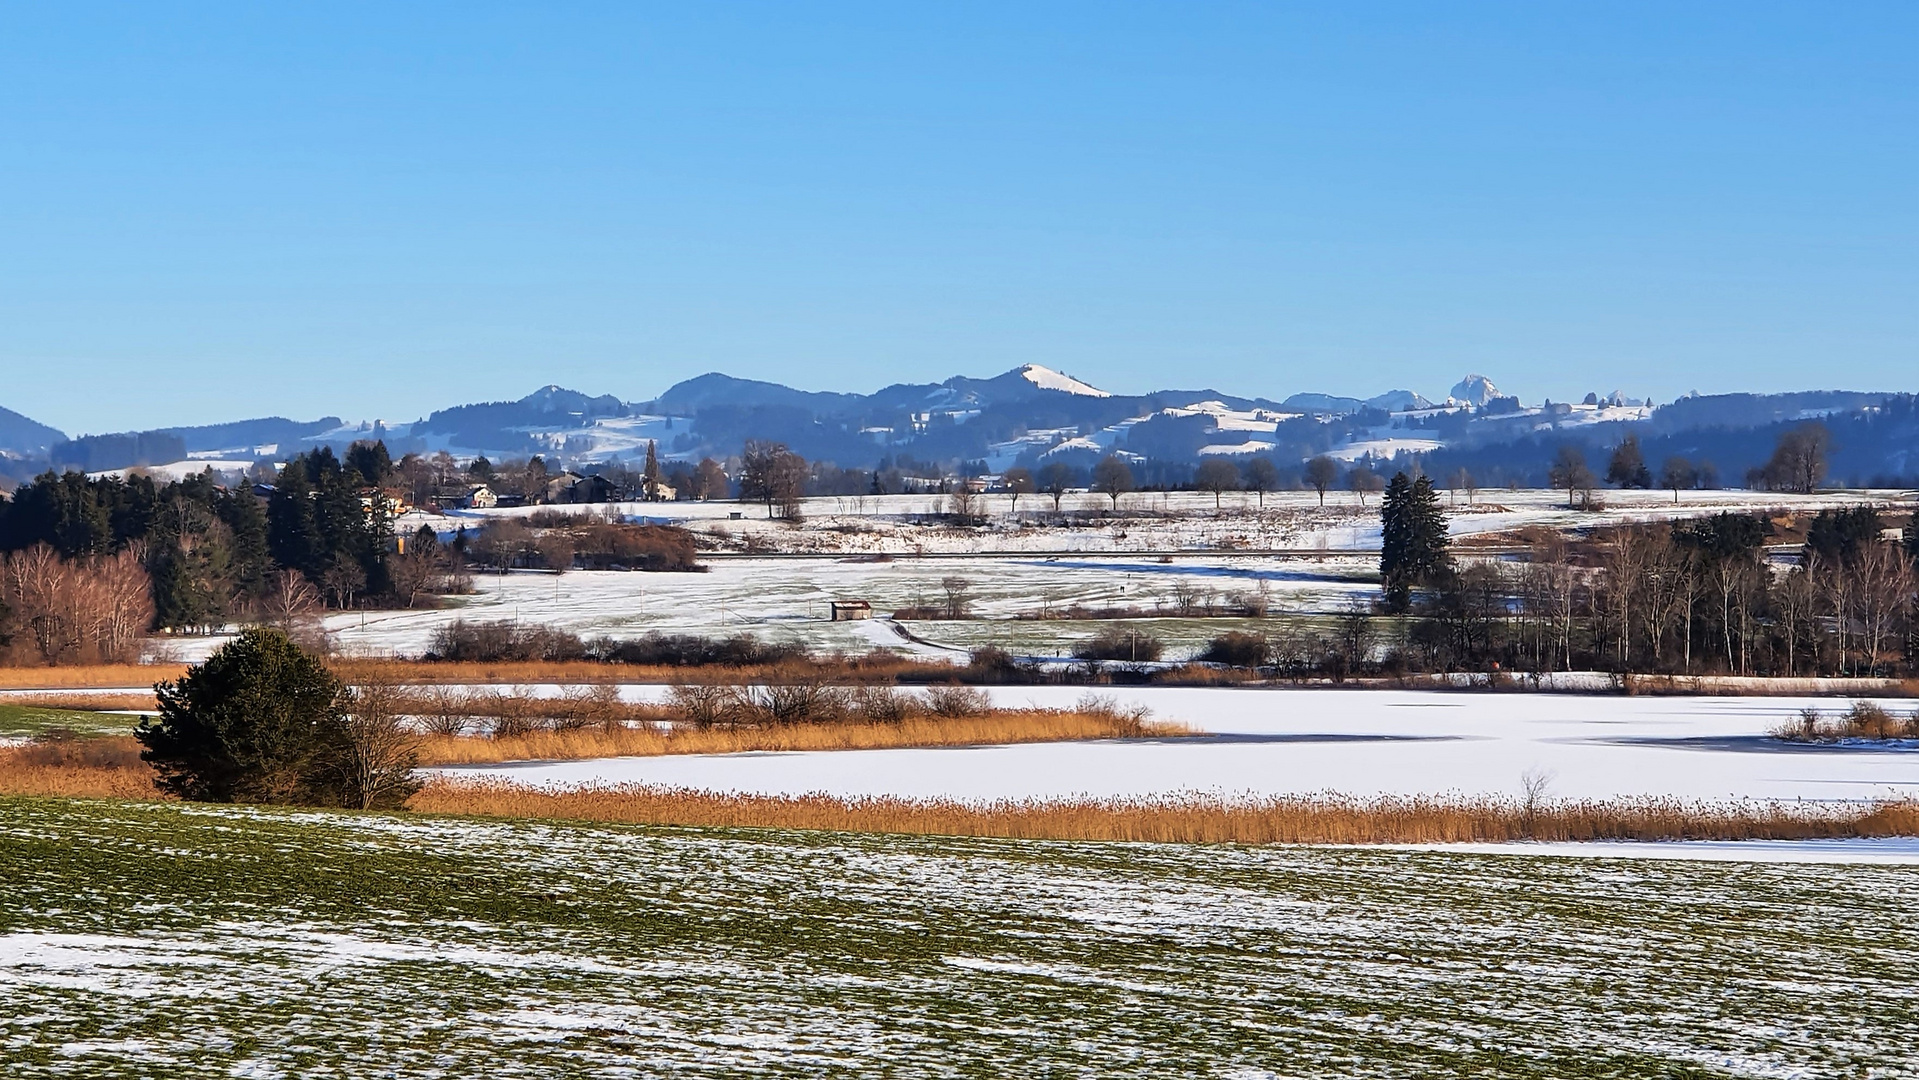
1017	482
1320	474
1217	476
1054	479
291	603
375	752
959	596
1112	478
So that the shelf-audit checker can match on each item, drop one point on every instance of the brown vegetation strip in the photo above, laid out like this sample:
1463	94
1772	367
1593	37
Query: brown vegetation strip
998	728
1328	819
88	675
104	768
128	702
111	768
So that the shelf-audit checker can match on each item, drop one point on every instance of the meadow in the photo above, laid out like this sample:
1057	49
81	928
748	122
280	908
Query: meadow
152	939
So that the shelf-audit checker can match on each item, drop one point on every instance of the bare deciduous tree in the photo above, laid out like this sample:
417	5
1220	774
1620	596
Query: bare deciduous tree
375	752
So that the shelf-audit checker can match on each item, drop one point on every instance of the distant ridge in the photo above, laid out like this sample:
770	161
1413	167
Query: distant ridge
21	436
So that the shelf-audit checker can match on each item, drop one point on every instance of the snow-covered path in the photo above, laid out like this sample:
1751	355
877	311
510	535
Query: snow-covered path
1354	742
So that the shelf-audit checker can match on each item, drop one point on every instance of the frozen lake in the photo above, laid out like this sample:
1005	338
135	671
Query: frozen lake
1353	742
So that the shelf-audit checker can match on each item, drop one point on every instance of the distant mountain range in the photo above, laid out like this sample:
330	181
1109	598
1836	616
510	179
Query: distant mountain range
1033	415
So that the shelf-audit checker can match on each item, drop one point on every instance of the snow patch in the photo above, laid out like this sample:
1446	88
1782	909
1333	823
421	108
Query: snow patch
1048	379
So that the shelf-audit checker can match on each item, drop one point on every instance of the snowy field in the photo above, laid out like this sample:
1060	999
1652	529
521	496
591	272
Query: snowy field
223	941
786	600
1269	741
1175	553
1151	521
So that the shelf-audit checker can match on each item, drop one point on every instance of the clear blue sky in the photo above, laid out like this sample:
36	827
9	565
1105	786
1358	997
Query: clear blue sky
212	212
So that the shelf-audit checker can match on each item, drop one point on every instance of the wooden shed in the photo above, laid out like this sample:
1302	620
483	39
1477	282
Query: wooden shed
848	610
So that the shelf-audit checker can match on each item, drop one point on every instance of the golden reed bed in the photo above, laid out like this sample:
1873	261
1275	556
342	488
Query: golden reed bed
110	768
1184	819
997	728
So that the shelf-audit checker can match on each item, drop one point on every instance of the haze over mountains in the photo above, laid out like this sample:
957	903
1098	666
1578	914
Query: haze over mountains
1033	415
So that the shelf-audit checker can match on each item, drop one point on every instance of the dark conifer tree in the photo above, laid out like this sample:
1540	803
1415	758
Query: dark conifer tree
370	462
1627	467
250	725
1413	538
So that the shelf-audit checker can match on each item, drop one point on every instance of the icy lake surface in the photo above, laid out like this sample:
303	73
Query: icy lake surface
1262	741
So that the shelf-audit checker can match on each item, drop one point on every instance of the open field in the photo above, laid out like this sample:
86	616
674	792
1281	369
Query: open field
1281	742
279	943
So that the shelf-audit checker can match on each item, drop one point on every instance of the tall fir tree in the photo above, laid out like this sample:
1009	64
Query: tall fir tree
650	478
1413	538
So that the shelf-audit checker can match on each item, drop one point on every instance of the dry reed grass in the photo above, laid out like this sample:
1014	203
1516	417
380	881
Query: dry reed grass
102	768
1327	819
111	768
878	667
87	675
998	728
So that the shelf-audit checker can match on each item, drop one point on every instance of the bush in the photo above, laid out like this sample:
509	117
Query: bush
687	650
1131	719
1866	720
881	704
953	701
992	663
776	704
492	642
1119	643
702	706
1235	649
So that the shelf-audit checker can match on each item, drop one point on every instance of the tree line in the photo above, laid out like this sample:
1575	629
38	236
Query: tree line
190	555
1692	596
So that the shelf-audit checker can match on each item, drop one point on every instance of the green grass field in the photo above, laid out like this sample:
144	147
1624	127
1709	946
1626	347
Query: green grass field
18	720
158	940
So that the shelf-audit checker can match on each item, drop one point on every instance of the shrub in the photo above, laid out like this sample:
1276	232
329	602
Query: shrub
1130	719
882	704
492	642
1120	643
1866	720
701	706
687	650
994	663
805	702
953	701
1235	649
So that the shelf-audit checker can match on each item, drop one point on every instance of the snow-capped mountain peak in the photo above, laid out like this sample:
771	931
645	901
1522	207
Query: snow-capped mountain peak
1474	390
1047	379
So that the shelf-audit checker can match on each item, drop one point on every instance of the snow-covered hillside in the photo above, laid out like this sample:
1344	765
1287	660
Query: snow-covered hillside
1048	379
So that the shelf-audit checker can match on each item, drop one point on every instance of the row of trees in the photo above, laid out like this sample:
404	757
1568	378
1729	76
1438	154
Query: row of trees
1693	596
93	609
191	554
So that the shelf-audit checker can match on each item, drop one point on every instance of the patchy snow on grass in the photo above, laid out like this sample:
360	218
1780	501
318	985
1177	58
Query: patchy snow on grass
317	944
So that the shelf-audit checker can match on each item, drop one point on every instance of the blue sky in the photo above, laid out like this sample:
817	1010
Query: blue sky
210	212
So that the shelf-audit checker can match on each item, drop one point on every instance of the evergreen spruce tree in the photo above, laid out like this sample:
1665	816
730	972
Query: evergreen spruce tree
1413	538
246	526
650	478
252	725
293	535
